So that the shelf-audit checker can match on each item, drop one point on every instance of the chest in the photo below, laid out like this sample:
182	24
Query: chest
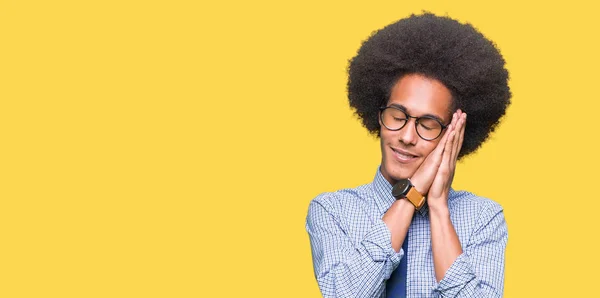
420	268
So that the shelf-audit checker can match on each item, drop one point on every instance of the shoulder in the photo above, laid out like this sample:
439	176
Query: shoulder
478	219
350	212
468	200
466	204
338	202
339	199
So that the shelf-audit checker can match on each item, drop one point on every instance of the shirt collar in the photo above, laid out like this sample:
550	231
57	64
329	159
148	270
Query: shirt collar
384	198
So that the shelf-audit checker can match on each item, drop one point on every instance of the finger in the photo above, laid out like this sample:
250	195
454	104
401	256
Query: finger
462	131
460	137
440	146
456	145
428	170
446	159
455	118
455	121
434	158
458	112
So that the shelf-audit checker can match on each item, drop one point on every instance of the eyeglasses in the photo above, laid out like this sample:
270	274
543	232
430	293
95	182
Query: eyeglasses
427	127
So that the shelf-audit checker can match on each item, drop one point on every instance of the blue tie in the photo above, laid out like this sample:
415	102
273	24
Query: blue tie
396	285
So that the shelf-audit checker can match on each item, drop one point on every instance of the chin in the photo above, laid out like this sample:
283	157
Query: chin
396	172
401	175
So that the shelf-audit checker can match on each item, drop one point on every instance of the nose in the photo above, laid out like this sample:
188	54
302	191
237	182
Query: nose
408	134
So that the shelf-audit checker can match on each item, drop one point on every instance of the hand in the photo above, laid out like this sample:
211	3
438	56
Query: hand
440	187
425	174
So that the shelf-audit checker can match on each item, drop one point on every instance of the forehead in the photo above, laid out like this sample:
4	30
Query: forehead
421	95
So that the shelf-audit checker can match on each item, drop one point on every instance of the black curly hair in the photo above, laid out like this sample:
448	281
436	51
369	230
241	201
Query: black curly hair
438	47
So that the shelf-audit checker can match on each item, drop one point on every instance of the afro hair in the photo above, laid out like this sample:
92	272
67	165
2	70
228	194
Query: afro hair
456	54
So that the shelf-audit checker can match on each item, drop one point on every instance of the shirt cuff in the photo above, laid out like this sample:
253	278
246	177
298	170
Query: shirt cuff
378	244
456	278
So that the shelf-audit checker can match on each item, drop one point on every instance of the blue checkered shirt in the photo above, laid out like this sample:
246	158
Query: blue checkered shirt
353	255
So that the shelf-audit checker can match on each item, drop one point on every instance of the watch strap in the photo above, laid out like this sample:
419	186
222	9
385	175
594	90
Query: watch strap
416	198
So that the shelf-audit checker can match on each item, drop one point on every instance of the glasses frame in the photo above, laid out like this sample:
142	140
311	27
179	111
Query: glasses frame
408	117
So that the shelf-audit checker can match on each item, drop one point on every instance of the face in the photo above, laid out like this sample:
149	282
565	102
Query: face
403	151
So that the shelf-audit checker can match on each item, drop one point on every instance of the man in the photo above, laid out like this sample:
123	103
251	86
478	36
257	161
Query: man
408	233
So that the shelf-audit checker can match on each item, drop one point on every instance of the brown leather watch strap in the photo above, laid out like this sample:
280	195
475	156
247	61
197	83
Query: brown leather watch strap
415	198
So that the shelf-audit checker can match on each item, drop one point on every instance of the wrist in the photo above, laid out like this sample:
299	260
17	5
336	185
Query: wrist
400	208
438	206
418	185
399	214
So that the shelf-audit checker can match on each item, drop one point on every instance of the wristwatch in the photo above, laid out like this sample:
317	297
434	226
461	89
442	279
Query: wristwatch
405	189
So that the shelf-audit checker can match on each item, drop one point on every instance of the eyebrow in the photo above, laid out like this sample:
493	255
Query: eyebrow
403	108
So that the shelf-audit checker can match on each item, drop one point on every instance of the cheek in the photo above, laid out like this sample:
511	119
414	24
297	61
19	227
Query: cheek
386	140
428	147
386	136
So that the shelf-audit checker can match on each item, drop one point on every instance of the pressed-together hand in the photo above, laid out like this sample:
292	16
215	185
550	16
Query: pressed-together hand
435	174
438	192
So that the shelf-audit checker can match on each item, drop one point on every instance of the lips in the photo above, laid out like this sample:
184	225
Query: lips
403	156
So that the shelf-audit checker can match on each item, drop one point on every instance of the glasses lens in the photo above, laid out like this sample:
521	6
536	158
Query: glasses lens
393	118
429	128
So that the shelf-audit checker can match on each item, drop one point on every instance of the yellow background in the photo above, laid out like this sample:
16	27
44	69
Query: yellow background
171	148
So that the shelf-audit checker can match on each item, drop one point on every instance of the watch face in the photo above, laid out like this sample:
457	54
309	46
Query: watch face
401	188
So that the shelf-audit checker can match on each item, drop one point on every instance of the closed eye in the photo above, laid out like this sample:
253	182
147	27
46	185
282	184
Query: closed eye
425	126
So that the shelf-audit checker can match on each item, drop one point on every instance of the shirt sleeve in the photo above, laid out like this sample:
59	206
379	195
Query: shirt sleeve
344	268
479	270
